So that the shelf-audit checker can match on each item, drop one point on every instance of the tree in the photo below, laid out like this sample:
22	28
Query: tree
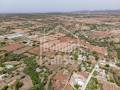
18	84
95	54
5	88
77	87
75	56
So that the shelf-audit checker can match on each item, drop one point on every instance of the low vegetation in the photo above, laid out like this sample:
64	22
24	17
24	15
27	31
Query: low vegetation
93	84
11	57
31	71
75	56
117	79
118	53
85	66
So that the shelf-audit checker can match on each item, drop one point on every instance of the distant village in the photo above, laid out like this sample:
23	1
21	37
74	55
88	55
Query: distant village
60	52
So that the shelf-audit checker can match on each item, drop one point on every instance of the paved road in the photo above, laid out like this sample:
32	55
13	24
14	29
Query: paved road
89	77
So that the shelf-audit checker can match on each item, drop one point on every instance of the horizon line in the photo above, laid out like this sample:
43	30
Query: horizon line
42	12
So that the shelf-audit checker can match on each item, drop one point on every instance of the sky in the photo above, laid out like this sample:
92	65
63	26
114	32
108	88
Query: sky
21	6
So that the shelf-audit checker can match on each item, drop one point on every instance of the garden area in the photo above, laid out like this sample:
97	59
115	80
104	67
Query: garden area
38	74
93	84
85	66
31	71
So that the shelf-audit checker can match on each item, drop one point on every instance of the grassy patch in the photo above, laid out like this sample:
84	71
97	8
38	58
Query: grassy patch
118	53
117	79
75	56
31	71
93	84
85	66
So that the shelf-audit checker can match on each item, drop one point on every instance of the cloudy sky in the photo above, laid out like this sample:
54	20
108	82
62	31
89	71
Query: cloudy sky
9	6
